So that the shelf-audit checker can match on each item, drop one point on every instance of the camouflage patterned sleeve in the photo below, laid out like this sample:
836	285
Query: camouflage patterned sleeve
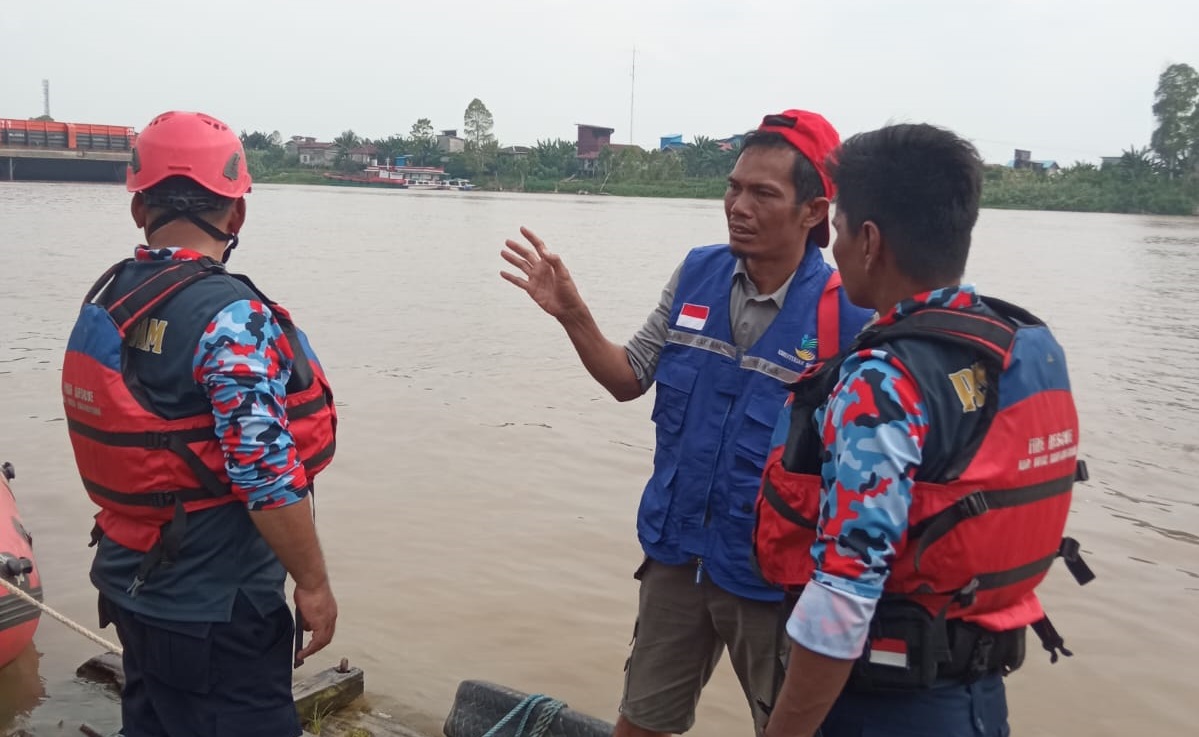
244	363
873	429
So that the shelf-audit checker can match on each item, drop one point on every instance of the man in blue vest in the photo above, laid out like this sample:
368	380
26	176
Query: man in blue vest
736	323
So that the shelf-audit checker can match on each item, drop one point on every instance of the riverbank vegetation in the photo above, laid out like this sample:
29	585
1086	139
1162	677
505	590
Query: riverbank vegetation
1161	178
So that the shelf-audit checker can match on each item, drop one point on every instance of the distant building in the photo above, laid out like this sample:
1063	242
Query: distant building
364	155
590	141
449	142
1106	161
310	151
730	143
516	151
671	143
1022	159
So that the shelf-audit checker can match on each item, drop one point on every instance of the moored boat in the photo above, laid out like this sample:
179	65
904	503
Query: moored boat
18	618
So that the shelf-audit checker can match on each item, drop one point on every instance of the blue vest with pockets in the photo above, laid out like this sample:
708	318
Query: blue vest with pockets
715	410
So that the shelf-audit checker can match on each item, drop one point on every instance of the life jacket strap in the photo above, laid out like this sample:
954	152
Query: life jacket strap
785	510
980	333
1071	552
320	457
176	441
828	319
165	552
1050	639
131	307
937	526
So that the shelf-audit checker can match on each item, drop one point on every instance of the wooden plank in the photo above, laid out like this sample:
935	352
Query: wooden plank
328	691
321	693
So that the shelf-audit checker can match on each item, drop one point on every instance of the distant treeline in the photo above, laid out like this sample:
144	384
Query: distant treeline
1162	178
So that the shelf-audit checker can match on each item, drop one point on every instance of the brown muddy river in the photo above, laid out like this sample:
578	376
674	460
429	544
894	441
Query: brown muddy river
479	517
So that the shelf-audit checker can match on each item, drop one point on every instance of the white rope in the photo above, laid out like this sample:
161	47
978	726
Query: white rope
65	620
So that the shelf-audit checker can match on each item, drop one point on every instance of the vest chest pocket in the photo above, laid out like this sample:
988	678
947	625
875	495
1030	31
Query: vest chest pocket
675	382
751	446
753	437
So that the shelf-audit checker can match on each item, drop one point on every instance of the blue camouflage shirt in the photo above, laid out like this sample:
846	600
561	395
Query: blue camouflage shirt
243	364
873	428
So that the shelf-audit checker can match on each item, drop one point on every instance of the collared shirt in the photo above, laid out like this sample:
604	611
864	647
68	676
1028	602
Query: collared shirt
243	365
750	312
873	429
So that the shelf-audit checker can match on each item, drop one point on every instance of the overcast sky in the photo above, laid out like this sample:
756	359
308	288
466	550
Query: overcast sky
1068	79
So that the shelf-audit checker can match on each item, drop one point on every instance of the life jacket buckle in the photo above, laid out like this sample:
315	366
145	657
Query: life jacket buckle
972	505
157	440
965	596
162	499
980	656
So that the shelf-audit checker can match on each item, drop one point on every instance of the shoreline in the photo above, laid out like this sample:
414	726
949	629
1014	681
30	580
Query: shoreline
676	189
712	189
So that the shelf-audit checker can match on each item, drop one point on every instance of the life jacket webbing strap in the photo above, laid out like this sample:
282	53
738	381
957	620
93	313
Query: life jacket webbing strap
999	579
980	332
208	479
771	495
175	441
300	363
320	456
987	581
129	308
164	552
1050	639
156	499
105	278
1071	552
149	440
932	529
311	407
828	319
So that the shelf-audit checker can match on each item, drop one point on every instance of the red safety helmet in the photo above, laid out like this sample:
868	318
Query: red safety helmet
192	145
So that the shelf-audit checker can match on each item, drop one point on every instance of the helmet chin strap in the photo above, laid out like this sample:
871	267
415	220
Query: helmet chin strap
229	239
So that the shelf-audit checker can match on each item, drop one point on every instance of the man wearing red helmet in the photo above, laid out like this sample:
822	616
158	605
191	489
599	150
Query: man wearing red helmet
735	325
199	416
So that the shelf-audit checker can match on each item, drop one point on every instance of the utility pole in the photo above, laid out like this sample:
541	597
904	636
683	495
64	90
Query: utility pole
632	93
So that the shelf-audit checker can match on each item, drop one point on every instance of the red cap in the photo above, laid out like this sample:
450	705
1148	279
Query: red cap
815	138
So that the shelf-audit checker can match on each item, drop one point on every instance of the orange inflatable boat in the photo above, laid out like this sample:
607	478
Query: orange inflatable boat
18	618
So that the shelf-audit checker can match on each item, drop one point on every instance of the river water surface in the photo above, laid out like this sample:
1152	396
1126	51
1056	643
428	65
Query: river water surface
479	518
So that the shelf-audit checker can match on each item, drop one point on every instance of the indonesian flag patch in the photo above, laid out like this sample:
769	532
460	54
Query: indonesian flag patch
890	652
692	316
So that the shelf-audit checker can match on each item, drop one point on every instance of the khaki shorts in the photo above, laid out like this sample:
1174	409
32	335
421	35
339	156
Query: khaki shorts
682	630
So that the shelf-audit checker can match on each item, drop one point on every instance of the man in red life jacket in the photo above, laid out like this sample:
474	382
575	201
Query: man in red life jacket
919	484
199	416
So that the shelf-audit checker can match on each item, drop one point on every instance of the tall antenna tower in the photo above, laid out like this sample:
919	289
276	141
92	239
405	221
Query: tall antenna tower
46	97
632	93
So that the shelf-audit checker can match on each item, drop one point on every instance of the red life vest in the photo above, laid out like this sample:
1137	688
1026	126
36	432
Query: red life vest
981	540
146	471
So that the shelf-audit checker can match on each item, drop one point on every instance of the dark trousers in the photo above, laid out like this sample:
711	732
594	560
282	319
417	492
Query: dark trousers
978	709
207	679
